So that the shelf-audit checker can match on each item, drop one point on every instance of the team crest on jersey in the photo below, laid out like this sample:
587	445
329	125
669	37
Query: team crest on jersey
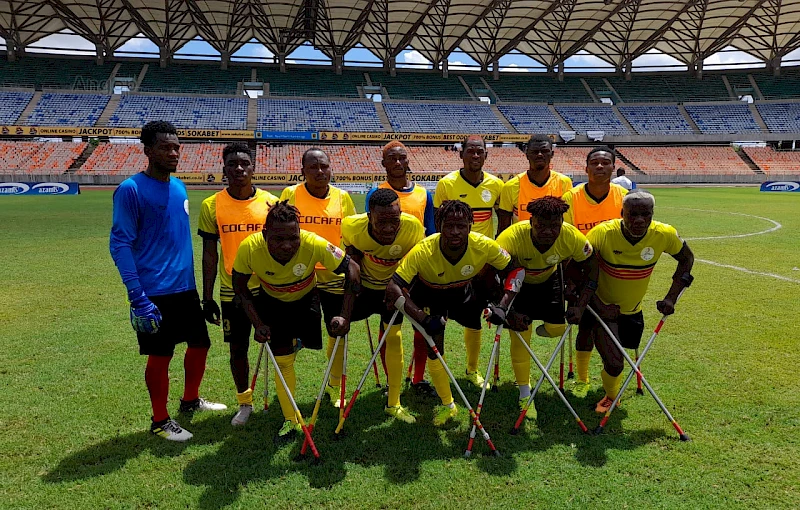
486	196
395	250
552	260
299	269
337	252
587	249
186	206
648	253
504	253
467	270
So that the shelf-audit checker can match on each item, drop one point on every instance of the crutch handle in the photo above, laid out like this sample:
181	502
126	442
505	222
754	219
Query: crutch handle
400	303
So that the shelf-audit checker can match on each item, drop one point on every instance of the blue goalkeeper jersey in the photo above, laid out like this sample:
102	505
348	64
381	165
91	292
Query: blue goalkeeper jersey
151	240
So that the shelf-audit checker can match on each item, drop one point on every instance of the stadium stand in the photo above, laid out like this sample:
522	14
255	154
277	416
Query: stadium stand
185	112
54	73
786	86
67	110
13	104
700	160
656	119
571	161
740	85
32	157
723	118
475	84
534	118
583	118
310	115
300	81
669	88
775	163
539	88
421	86
129	158
129	69
780	117
443	118
195	78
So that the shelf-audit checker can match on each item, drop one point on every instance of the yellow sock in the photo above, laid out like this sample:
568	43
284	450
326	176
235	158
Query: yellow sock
394	364
286	364
555	330
440	381
336	369
520	359
582	364
472	343
245	398
611	384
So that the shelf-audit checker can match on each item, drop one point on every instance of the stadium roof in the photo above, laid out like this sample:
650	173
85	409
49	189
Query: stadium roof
617	31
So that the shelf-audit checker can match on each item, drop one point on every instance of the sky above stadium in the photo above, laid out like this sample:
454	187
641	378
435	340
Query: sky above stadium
730	57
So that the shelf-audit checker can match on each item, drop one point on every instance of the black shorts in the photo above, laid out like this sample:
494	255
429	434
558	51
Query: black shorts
542	301
290	320
182	320
630	328
369	303
236	325
461	304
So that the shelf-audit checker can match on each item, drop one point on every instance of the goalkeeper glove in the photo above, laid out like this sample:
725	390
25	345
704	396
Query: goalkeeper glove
145	316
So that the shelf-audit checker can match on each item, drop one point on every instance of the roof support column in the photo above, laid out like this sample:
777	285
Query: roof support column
698	66
775	65
444	68
496	70
225	59
282	61
338	63
163	56
99	54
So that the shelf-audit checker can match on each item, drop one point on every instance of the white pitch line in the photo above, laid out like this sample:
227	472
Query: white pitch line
748	271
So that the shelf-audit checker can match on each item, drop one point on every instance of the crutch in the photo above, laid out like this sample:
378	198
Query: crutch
365	375
635	366
321	393
372	351
258	367
410	368
545	374
399	304
343	387
297	413
638	376
570	374
496	380
266	384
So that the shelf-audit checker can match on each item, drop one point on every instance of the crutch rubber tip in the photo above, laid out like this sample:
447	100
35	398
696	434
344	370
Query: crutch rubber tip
316	461
497	453
378	385
300	457
570	375
495	389
685	437
467	454
639	391
598	431
514	431
337	437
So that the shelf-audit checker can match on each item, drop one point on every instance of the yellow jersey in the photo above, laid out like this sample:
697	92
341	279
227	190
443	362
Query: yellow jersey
539	266
323	216
231	220
585	212
519	191
482	198
625	269
293	280
426	262
380	260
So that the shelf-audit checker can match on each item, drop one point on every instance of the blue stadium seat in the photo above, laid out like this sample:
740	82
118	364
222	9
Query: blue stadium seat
311	115
81	110
184	112
723	118
532	118
13	104
656	119
780	117
590	118
443	118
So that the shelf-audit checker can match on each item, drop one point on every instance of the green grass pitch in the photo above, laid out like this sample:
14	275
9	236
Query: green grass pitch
74	409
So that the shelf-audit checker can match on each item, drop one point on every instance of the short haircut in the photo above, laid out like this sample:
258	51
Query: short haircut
394	144
382	197
639	194
620	171
547	207
309	151
236	148
472	137
539	139
151	130
602	148
454	209
282	212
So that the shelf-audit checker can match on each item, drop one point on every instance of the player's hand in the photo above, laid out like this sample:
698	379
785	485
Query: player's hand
666	306
145	316
433	324
262	334
574	314
339	326
211	311
495	314
517	321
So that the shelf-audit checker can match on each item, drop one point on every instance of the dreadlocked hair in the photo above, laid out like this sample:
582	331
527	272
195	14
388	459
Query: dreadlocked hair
452	208
282	212
382	197
547	207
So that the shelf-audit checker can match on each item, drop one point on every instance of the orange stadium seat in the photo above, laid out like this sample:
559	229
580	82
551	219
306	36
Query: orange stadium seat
701	160
775	163
38	157
129	158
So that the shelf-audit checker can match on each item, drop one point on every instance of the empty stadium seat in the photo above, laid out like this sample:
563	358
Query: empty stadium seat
311	115
785	86
776	164
656	119
723	118
590	118
699	160
780	117
443	118
38	157
12	104
184	112
421	85
195	78
539	88
68	110
669	87
306	82
129	158
533	118
59	73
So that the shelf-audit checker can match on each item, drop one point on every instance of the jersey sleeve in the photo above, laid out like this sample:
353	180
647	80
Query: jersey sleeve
124	229
506	240
507	198
207	227
596	237
673	241
243	262
328	255
287	194
408	269
498	258
581	247
566	184
366	200
568	217
440	195
348	207
429	224
347	232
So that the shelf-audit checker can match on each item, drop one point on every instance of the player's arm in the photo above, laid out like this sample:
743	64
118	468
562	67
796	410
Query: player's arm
333	257
681	279
144	315
587	272
355	254
207	229
245	297
429	223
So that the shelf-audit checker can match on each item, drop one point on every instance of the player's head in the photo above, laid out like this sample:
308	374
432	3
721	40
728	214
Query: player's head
316	168
600	164
454	220
384	215
539	152
237	161
161	145
637	212
547	217
473	153
620	172
282	231
395	159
